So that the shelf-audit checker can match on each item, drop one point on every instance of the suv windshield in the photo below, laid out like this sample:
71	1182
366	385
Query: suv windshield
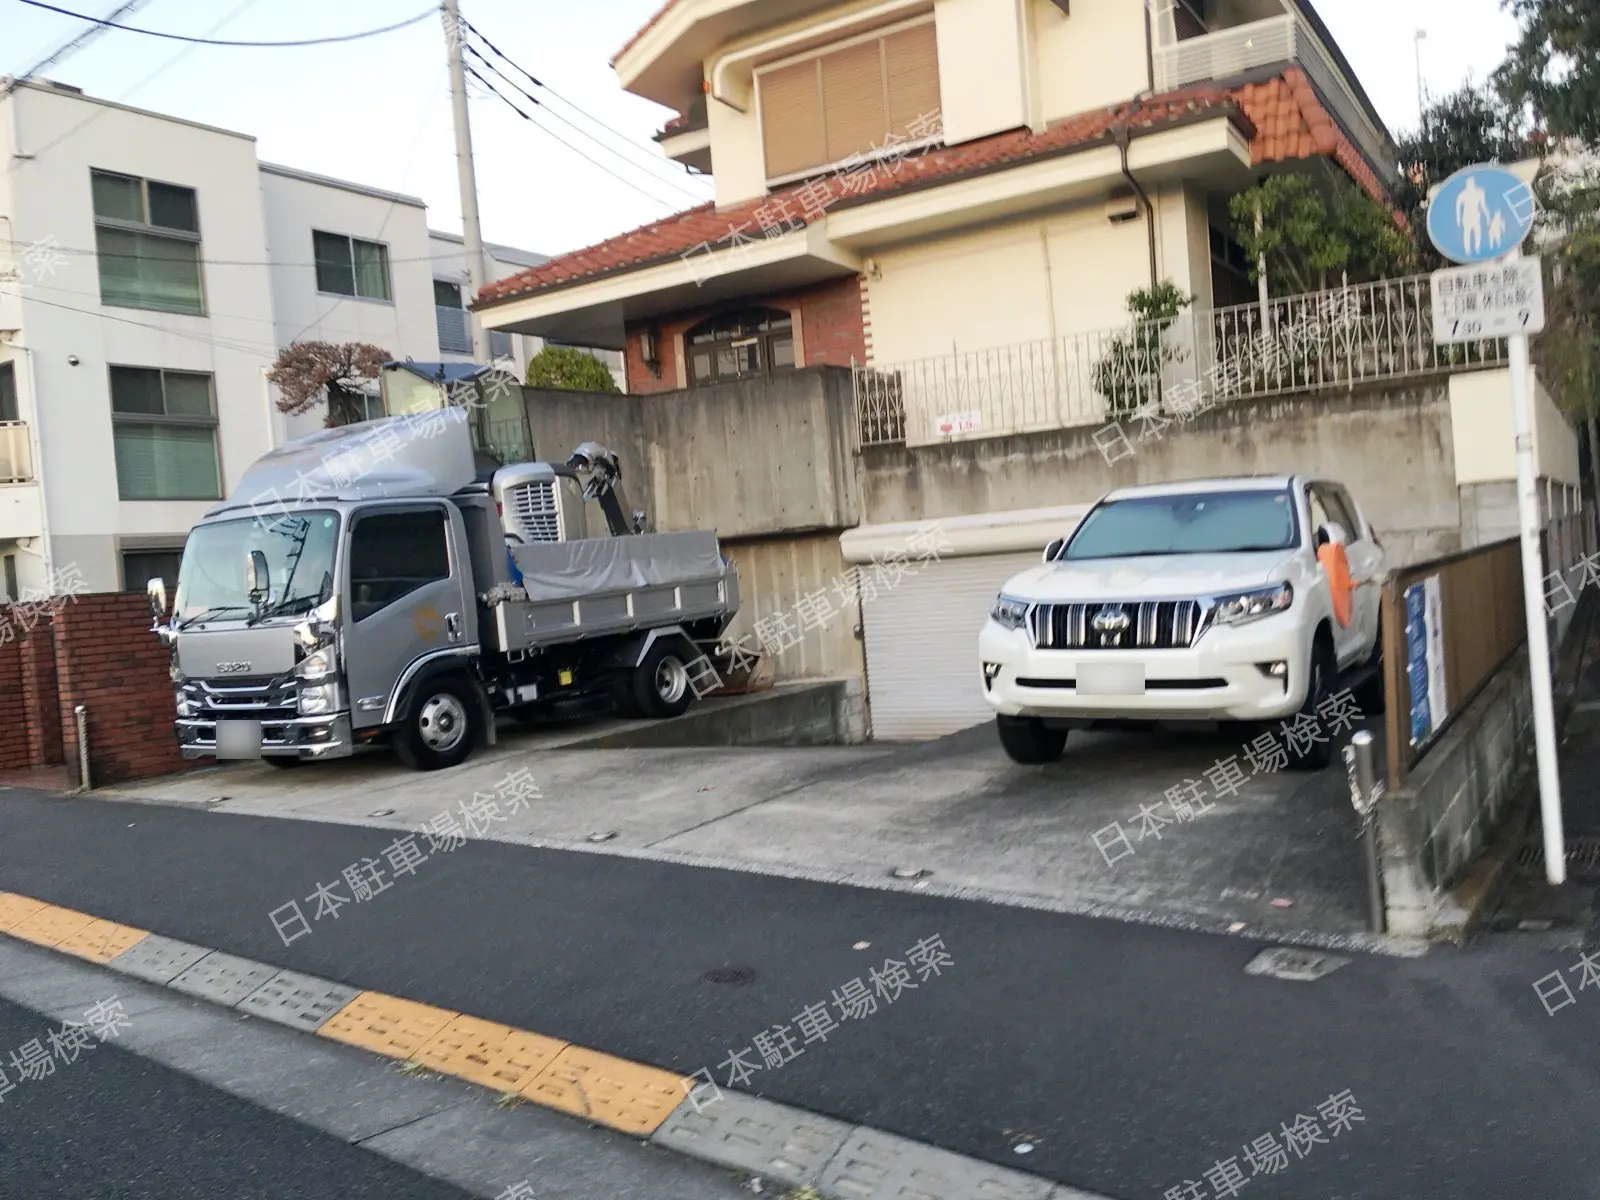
299	549
1196	523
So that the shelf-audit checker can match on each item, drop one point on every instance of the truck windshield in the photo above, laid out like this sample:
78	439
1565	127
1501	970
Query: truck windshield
299	548
1197	523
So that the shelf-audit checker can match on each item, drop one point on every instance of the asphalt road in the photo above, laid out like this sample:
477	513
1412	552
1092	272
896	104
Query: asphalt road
1129	1057
114	1126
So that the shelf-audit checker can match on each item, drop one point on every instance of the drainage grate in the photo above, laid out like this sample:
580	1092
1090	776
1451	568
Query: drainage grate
1299	966
1583	855
733	976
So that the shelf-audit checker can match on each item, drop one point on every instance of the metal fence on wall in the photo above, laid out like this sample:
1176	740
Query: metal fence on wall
1364	333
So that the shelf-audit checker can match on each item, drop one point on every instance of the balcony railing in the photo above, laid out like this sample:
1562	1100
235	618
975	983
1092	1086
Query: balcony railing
1368	333
16	460
1289	38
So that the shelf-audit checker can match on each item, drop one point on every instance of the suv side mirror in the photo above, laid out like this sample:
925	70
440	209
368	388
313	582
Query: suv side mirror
257	576
156	589
1054	549
1332	532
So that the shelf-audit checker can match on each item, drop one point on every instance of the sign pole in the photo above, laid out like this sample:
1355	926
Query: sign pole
1544	719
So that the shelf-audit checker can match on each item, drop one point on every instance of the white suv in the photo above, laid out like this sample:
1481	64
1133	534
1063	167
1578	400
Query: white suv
1199	601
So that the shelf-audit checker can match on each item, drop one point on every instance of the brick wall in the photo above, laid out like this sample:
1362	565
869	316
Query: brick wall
13	727
107	660
41	703
831	331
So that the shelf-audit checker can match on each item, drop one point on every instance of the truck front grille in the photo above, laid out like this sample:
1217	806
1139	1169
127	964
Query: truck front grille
533	508
261	699
1150	625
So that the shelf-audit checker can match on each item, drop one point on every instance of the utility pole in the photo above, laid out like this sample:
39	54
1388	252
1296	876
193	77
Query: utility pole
471	229
1422	96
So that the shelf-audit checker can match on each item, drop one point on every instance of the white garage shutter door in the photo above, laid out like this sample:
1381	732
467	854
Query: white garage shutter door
922	646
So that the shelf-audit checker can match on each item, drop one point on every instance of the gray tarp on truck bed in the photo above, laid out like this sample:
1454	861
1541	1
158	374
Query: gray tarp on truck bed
613	585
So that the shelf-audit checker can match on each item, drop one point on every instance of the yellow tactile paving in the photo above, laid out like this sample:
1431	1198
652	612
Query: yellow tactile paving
609	1091
493	1056
386	1024
101	941
50	926
15	909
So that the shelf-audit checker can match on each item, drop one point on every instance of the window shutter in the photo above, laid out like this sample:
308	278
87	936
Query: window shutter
166	462
791	119
911	59
853	109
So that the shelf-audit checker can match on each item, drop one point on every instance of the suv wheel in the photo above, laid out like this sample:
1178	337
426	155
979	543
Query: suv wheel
1316	755
1026	740
440	726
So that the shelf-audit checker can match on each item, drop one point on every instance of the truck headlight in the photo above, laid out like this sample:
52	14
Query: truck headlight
318	664
185	706
1243	607
1009	611
315	701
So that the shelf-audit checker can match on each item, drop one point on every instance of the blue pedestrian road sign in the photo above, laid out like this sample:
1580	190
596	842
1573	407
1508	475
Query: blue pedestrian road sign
1480	213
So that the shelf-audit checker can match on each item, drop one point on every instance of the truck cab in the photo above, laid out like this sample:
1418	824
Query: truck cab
366	584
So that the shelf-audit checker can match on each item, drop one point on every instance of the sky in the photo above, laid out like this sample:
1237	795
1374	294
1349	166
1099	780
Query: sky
377	111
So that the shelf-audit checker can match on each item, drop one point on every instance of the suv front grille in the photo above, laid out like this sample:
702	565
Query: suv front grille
533	508
1150	625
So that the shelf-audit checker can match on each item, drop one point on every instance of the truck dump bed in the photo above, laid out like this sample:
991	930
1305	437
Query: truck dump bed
612	585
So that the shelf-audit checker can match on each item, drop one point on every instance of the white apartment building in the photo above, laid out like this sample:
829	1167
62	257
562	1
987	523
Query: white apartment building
150	270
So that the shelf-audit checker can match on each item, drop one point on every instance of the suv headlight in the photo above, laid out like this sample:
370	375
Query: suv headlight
1243	607
1009	611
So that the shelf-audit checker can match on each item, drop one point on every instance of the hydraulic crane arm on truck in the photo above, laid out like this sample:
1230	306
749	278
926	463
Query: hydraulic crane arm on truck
404	596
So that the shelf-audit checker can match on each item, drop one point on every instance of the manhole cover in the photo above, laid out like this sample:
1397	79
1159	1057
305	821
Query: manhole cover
1287	962
1583	856
733	976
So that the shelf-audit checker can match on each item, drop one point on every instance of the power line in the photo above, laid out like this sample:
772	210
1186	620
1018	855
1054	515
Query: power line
580	131
538	83
46	247
178	37
74	43
545	129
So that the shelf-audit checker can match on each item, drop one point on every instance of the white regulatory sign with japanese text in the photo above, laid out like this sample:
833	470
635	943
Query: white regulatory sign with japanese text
1493	300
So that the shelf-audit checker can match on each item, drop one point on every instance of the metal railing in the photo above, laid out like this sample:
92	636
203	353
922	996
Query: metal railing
1241	48
1364	333
16	458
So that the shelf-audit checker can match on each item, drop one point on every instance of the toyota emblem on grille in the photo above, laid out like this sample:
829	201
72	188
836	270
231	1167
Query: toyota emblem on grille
1111	624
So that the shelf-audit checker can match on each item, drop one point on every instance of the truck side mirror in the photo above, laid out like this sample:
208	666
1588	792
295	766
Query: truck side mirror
1054	549
156	589
257	576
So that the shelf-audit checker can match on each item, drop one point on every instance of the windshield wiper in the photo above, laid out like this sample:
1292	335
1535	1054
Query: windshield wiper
284	608
214	611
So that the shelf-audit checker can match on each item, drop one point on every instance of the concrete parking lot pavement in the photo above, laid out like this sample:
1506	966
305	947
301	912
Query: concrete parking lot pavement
1093	833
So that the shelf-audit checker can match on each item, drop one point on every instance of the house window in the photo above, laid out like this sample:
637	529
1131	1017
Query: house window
850	99
499	344
139	567
754	341
8	392
164	428
348	266
147	242
450	318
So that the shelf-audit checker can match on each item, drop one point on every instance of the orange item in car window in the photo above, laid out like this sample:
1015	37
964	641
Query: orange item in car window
1337	567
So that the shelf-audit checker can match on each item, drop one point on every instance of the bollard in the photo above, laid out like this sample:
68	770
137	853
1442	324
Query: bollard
1365	792
81	715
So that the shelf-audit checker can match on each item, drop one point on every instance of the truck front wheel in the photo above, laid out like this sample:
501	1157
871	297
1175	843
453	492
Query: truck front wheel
440	726
661	681
1026	740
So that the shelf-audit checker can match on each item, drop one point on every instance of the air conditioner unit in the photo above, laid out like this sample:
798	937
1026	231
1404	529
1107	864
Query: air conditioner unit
1122	206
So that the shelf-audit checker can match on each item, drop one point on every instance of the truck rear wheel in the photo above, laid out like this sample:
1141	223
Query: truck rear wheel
440	726
1026	740
661	681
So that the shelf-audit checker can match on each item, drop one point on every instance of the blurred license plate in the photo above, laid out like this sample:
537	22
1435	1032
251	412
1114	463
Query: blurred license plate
238	739
1110	679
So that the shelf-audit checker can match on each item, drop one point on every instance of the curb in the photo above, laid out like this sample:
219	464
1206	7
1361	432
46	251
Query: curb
685	1114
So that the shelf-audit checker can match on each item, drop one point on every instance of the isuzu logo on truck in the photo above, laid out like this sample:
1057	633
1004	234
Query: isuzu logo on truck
233	668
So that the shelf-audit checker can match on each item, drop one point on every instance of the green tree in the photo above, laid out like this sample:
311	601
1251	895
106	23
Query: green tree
1129	375
570	370
1568	352
1470	125
1553	68
1311	237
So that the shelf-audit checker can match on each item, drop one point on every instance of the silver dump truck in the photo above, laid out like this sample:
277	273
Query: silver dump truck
374	583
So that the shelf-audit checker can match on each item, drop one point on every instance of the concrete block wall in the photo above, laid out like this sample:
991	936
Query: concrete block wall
108	661
1431	828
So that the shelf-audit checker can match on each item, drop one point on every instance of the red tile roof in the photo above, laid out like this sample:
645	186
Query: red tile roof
1281	116
642	30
